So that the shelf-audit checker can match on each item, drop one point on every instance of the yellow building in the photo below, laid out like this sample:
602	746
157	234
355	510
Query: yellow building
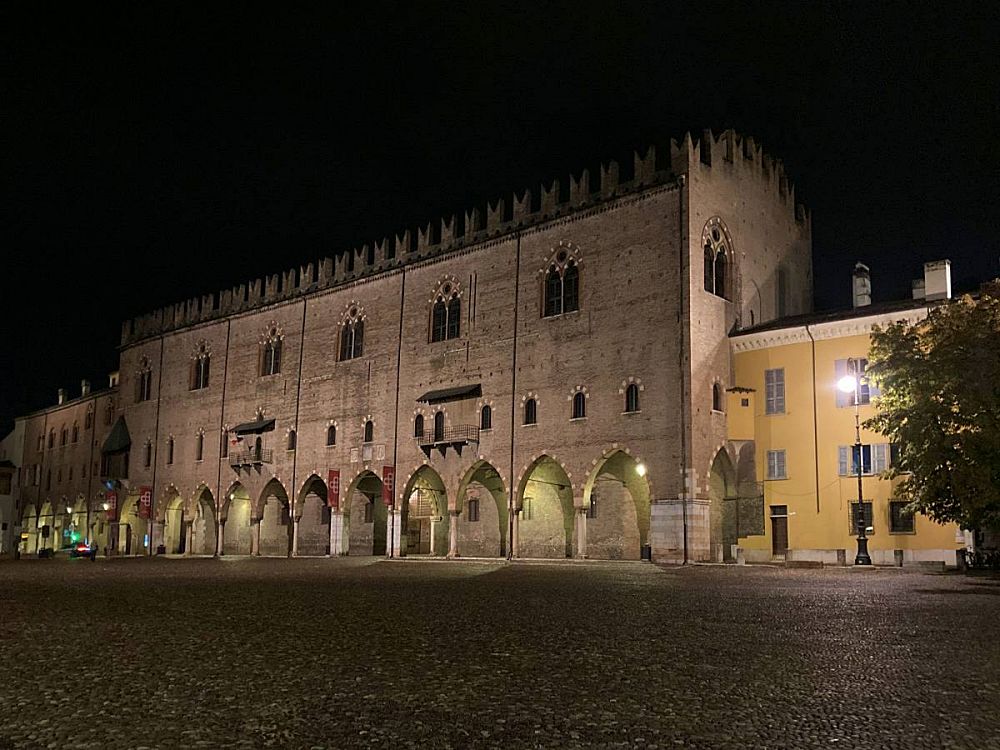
802	427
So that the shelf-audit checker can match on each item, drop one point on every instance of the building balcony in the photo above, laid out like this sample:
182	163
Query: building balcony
251	458
455	437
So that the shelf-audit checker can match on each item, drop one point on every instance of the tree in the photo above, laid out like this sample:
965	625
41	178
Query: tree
940	406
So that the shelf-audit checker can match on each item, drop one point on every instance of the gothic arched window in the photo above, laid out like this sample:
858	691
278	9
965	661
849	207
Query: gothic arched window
579	405
331	435
418	426
530	411
632	398
199	446
718	259
486	418
369	431
352	334
270	352
438	426
199	367
170	450
562	284
446	313
76	432
718	401
291	440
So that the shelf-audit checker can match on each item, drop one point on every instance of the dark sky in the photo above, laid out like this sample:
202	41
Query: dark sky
165	152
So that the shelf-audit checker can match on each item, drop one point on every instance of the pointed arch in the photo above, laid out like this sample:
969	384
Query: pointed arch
617	494
545	507
483	512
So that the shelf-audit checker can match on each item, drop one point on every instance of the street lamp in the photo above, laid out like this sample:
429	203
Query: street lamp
851	383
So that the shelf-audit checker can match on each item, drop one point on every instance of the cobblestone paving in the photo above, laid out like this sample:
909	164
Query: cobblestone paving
363	653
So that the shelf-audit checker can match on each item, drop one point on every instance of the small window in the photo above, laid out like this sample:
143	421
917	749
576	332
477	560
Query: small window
718	398
76	432
370	511
530	412
486	418
592	508
143	382
579	405
52	438
632	398
199	447
224	444
438	426
331	435
901	521
527	511
418	426
88	420
369	431
291	440
776	465
109	413
867	517
63	435
472	512
774	391
170	451
147	459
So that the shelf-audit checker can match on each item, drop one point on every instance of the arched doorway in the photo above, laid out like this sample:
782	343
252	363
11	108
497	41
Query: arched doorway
29	527
617	500
365	516
721	492
483	520
425	514
174	536
545	526
275	522
314	518
236	532
132	530
202	521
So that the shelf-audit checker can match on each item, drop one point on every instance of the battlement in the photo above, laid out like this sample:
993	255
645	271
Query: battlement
480	223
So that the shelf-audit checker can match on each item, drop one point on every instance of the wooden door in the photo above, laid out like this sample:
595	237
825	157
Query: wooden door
779	530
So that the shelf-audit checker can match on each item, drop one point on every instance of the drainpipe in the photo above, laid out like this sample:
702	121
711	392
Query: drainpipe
293	500
151	521
222	421
812	345
513	403
395	421
682	181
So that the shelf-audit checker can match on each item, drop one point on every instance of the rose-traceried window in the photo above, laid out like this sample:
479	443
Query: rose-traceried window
352	334
718	251
561	292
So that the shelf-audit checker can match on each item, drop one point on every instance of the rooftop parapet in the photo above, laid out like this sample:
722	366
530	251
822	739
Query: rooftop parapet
494	219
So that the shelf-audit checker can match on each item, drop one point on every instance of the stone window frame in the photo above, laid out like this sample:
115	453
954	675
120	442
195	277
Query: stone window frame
623	392
563	257
331	429
171	448
717	243
199	445
368	430
147	454
718	397
579	396
351	332
201	360
480	406
533	398
445	303
143	380
270	343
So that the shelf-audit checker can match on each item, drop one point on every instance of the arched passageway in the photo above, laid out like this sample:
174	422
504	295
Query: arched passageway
616	509
236	532
314	518
275	523
174	536
425	514
482	522
365	516
203	526
29	527
721	492
545	523
133	531
47	532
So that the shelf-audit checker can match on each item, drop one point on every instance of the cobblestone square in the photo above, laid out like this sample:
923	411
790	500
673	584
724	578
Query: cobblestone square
365	653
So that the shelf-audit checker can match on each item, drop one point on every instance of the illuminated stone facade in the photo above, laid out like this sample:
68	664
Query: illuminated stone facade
578	318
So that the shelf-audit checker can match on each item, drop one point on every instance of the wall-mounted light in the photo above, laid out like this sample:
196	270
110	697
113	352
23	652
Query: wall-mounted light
640	469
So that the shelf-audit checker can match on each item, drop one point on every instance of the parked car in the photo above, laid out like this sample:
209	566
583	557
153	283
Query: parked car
82	549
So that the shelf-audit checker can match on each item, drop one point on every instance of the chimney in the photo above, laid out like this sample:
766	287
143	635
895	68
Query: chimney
937	279
861	285
918	288
84	387
61	396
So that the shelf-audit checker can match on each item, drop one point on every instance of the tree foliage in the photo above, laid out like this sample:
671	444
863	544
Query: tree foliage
940	404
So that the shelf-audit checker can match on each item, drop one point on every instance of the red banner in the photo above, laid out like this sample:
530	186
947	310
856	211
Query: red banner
111	499
145	501
388	484
333	489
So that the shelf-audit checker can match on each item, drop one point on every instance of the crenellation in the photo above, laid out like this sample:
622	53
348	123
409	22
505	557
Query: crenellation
549	199
521	207
253	292
644	167
326	271
609	179
494	216
579	189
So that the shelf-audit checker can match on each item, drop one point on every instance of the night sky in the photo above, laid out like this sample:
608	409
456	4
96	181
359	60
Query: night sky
163	153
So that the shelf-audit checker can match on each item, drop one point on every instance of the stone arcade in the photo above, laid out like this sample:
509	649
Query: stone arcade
539	377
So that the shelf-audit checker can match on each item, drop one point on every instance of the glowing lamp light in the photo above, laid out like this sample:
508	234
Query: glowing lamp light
640	469
69	509
847	384
106	506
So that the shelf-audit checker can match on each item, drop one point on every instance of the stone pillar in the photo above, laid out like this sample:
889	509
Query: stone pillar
581	533
220	533
453	533
188	537
434	524
295	536
514	535
395	526
336	534
255	536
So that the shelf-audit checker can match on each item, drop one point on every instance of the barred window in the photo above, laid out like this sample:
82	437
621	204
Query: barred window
901	520
867	517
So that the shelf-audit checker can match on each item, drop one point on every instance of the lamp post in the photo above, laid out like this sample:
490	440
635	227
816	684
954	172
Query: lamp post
851	383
